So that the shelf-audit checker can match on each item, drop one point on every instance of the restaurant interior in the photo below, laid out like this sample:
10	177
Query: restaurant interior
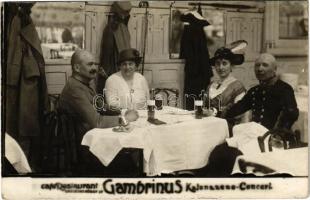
181	130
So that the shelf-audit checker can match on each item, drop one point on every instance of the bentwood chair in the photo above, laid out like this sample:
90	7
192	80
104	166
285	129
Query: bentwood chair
59	145
170	96
280	137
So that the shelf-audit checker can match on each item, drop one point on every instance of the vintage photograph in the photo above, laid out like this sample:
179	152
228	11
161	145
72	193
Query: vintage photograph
149	96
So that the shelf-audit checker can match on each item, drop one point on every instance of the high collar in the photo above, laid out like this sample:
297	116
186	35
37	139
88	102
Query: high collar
270	81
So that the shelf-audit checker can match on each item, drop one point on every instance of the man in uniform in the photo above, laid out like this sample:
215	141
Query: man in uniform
272	101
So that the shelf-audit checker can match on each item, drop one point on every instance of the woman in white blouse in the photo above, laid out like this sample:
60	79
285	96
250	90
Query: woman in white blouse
127	89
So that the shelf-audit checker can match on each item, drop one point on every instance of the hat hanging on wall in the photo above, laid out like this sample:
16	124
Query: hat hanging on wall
122	8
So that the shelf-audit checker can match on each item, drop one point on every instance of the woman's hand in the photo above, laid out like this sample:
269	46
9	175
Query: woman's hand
210	112
131	115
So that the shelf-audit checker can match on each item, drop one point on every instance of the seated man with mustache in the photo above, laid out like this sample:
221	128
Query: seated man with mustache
77	100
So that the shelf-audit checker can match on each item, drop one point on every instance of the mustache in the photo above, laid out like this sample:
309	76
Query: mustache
93	71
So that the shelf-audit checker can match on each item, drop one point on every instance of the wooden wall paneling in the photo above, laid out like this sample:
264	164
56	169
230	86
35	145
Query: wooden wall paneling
96	18
136	28
246	26
233	29
158	41
166	75
149	76
257	32
88	30
56	77
157	46
91	32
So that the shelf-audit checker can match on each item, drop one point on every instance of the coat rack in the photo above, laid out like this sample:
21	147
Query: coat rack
144	4
222	5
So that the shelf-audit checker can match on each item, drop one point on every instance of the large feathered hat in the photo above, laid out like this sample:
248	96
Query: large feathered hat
229	52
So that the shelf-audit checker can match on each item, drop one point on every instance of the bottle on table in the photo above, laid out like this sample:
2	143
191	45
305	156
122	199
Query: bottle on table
151	105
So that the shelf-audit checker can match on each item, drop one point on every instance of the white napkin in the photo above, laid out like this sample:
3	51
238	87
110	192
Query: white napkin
16	156
245	137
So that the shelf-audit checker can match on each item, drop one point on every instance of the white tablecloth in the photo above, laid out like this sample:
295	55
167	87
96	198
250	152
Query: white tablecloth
302	122
184	143
291	161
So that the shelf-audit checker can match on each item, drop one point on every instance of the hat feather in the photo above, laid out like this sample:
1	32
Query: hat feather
237	46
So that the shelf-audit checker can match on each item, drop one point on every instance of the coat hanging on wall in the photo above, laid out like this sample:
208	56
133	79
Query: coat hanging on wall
26	95
115	38
194	50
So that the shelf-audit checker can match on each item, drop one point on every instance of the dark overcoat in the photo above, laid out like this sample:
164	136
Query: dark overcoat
109	51
194	50
26	89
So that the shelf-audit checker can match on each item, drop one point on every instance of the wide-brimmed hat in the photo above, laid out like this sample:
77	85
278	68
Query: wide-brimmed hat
129	54
225	53
122	8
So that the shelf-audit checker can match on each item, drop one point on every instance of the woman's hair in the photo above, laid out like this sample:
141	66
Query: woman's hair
225	53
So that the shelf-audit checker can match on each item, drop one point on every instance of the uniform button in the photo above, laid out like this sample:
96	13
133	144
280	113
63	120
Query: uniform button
263	110
253	98
253	110
264	92
264	99
253	93
256	89
261	116
253	104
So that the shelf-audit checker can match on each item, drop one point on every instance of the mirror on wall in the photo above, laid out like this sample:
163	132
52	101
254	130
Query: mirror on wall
60	26
214	32
293	19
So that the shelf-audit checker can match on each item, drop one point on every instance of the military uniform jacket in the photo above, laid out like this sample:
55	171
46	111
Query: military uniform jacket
273	106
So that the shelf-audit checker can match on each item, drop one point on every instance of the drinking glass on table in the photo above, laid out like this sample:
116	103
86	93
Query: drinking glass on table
159	101
198	109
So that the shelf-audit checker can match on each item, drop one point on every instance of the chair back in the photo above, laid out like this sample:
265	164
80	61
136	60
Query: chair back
59	145
170	96
279	138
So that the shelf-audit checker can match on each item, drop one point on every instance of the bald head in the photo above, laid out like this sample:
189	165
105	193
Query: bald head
265	67
80	55
267	57
83	64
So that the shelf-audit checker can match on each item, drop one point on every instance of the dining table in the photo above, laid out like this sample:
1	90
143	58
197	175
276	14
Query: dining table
181	143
